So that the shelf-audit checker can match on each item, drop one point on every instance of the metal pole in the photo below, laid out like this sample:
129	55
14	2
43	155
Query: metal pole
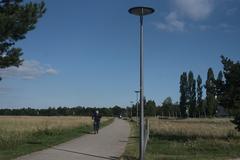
141	92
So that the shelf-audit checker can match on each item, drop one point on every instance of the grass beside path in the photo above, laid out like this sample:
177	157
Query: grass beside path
132	150
188	139
193	139
45	139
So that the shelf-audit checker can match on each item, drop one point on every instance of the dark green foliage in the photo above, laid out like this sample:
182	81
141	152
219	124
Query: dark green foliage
63	111
168	109
231	89
236	121
200	107
219	83
183	94
117	111
166	106
192	94
230	93
16	19
150	108
210	93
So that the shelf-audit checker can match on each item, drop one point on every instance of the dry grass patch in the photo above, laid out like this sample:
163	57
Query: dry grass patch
204	128
193	139
15	129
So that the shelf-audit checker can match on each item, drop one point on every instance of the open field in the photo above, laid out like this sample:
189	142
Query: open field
189	139
23	134
194	128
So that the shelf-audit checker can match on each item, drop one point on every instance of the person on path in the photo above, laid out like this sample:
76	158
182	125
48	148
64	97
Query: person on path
96	117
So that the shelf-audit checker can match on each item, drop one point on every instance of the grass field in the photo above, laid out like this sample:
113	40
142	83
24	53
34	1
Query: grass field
23	134
189	139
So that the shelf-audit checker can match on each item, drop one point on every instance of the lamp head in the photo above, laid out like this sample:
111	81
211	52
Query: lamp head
141	11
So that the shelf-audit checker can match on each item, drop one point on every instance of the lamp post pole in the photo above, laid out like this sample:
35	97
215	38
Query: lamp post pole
141	11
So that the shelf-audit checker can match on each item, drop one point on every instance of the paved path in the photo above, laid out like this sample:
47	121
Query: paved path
108	144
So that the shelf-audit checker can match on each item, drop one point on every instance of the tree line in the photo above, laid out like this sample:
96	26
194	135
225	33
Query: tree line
221	92
192	103
63	111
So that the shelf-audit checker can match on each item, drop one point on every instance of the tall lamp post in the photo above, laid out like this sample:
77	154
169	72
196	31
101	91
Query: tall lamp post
141	11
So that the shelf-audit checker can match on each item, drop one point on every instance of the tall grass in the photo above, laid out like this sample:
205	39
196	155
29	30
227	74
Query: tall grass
193	139
16	129
195	128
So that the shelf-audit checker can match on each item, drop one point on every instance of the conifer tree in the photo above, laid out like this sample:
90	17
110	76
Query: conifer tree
16	19
183	94
230	97
192	94
210	93
200	107
219	83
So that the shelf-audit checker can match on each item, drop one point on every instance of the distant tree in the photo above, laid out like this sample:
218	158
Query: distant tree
64	111
166	106
219	83
200	106
117	111
230	98
150	109
192	94
183	94
210	93
16	19
106	111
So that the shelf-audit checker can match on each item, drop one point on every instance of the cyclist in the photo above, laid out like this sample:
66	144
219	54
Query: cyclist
96	121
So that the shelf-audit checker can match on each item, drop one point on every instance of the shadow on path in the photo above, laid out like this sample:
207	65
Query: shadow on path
86	154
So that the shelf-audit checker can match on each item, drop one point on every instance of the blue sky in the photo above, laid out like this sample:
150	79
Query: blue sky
87	52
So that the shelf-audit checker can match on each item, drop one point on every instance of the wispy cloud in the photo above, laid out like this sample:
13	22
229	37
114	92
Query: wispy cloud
194	9
184	12
224	27
30	69
192	15
171	23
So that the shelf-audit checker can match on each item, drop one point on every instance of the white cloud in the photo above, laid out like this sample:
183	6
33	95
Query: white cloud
51	71
172	23
194	9
30	69
185	11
